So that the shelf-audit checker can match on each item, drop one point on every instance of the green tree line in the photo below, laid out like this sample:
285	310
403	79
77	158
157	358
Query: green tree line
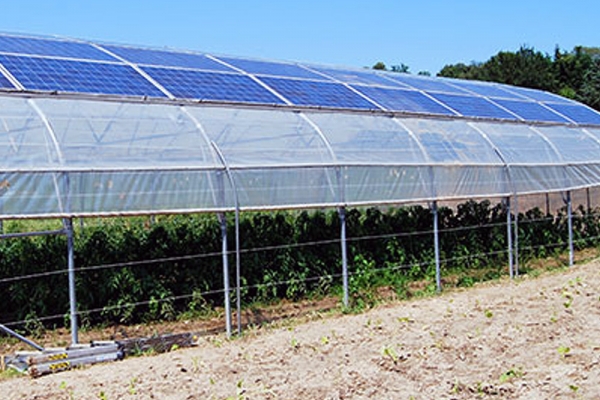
573	74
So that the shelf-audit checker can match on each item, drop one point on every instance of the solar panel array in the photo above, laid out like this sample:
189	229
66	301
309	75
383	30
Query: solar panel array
60	65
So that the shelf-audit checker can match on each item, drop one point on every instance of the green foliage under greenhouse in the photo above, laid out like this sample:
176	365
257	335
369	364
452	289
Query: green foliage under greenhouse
137	270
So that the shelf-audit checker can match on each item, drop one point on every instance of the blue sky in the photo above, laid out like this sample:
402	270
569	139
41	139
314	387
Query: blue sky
425	34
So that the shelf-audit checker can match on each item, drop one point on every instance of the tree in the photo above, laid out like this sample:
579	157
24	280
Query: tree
380	66
590	88
525	67
402	68
570	69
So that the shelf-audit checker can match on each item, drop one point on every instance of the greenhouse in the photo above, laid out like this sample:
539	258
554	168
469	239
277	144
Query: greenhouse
94	129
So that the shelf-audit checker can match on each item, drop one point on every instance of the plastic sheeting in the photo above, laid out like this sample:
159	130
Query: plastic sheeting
81	157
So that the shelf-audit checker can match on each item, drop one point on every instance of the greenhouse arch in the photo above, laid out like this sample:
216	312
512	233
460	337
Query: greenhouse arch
93	129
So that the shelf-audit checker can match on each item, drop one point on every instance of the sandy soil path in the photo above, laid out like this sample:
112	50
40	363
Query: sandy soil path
526	339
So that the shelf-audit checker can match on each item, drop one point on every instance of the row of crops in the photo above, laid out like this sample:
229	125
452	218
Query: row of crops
139	270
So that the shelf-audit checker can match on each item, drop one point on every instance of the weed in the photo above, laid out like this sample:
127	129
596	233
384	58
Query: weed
390	352
102	396
195	364
294	343
574	388
564	351
132	389
69	391
488	313
511	374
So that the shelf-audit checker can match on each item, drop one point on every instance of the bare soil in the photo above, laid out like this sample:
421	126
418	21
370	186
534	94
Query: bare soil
530	338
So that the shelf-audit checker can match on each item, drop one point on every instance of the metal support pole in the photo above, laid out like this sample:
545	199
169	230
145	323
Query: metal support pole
570	225
342	214
547	204
589	200
516	236
238	280
68	222
436	246
21	338
223	221
509	237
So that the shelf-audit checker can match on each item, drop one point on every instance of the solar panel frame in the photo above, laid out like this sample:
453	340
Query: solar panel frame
531	111
166	58
473	106
350	76
214	86
52	48
268	68
318	93
425	84
62	75
578	113
486	89
403	100
539	95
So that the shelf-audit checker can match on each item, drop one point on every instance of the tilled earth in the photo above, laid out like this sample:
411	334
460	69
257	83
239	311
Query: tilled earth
531	338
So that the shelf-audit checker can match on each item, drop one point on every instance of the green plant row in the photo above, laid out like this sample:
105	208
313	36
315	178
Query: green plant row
285	255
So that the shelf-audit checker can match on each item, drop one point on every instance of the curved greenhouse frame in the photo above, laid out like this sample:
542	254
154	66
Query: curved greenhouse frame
91	129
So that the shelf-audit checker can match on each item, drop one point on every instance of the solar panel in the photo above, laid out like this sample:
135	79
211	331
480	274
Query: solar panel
486	89
427	84
313	93
212	86
538	95
530	111
357	77
78	76
471	106
162	58
54	48
403	100
578	113
5	83
272	68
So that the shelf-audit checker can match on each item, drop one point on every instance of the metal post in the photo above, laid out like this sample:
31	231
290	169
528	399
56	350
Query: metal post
342	214
589	200
570	225
223	221
436	246
547	204
509	237
21	338
68	222
238	280
516	236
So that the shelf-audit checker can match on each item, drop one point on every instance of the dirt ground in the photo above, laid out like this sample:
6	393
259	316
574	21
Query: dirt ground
531	338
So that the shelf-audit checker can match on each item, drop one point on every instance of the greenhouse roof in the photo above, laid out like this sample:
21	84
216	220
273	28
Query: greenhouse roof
96	129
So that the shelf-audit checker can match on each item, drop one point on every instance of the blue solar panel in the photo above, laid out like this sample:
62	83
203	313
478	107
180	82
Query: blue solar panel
578	113
539	95
56	48
427	84
78	76
271	68
5	83
530	111
403	100
162	58
212	86
486	89
358	77
471	106
313	93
